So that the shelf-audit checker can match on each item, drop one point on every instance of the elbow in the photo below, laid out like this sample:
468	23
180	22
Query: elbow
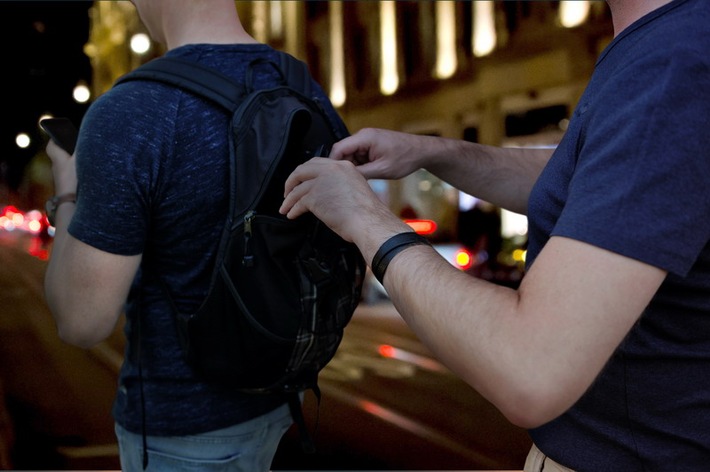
530	408
82	338
79	331
75	327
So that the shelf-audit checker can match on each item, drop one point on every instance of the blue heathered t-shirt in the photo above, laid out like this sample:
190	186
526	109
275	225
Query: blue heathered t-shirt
632	176
152	163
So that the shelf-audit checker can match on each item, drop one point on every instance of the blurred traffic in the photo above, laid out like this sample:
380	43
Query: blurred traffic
32	223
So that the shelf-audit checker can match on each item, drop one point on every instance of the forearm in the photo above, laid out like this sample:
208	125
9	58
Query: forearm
501	176
60	285
458	316
55	283
534	351
474	327
85	288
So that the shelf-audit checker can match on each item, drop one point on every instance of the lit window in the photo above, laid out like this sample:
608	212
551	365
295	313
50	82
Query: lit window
389	77
446	61
484	28
573	13
337	63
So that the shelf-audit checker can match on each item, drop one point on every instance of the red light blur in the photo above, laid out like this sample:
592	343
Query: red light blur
9	210
422	226
386	350
464	259
38	249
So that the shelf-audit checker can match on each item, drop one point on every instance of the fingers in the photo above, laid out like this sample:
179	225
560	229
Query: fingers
320	181
55	152
355	148
302	173
63	168
293	205
297	186
377	153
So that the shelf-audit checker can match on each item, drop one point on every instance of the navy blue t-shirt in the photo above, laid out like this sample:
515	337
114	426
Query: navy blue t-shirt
152	163
631	176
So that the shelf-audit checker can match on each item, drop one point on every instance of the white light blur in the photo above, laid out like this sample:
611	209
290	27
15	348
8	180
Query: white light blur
140	43
513	224
81	93
276	19
23	140
389	77
573	13
484	28
337	52
259	23
446	61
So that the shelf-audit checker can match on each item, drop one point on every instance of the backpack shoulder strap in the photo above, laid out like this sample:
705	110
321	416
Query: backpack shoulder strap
202	80
298	77
296	73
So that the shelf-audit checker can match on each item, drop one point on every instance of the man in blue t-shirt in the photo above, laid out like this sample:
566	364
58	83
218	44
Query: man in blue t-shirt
604	350
143	203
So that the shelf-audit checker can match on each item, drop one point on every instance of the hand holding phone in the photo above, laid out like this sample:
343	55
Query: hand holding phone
62	131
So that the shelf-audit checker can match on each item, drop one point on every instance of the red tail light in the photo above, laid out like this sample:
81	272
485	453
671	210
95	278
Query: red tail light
422	226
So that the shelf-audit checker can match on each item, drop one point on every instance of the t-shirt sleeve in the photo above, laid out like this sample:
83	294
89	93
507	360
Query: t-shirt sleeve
640	186
116	177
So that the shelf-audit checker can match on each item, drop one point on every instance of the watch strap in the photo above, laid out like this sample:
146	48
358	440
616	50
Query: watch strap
392	247
54	202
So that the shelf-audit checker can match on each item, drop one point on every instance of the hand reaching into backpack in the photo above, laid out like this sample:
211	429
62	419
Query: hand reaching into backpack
336	190
384	154
338	194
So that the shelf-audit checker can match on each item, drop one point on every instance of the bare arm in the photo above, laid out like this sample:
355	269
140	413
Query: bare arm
533	351
502	176
85	288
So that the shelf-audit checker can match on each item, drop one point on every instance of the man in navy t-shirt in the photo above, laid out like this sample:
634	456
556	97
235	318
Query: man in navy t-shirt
604	350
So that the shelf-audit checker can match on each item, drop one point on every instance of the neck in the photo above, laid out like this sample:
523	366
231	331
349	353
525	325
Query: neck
214	22
626	12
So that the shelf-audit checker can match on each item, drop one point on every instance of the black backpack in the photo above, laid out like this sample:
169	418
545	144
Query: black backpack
282	290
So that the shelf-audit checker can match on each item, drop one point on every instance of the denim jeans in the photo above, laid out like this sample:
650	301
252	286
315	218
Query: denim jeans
246	447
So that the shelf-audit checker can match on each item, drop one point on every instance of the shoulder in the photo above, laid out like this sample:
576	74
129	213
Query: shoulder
133	105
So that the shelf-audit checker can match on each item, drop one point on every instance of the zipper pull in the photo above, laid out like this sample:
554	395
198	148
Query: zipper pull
248	260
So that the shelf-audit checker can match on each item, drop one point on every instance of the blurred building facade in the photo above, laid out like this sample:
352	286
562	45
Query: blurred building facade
499	73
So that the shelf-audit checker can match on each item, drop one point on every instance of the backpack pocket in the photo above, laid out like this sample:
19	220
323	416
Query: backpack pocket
245	331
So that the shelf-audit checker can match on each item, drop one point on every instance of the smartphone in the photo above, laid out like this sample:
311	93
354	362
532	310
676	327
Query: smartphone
62	131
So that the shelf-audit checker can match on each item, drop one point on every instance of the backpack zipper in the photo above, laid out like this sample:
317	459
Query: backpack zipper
248	260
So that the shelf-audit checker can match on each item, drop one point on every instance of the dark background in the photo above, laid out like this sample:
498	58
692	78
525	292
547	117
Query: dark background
42	51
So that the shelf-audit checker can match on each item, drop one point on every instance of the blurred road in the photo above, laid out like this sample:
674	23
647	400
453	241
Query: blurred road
386	404
59	397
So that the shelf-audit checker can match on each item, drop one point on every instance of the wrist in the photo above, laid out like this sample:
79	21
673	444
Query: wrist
391	248
55	202
377	228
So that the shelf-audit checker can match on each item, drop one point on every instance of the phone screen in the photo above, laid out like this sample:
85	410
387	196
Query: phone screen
62	131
